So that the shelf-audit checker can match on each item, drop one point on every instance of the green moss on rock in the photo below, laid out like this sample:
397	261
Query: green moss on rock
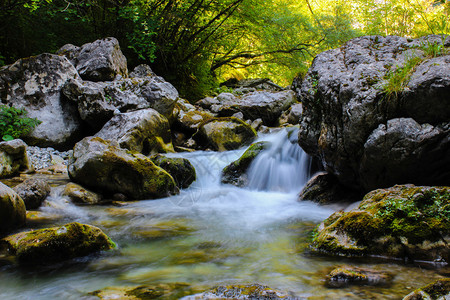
440	289
57	243
403	221
145	292
12	209
235	172
251	291
181	169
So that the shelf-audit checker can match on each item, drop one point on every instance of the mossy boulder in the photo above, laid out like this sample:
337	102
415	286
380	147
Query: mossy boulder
222	134
181	169
57	243
145	131
346	275
105	168
13	158
33	192
235	172
251	291
12	209
404	221
144	292
79	195
438	290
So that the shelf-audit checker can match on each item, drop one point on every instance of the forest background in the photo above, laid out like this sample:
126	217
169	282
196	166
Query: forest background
196	44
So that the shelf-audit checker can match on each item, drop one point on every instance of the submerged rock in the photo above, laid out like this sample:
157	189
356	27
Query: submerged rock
404	221
370	138
33	192
145	131
105	168
252	291
438	290
181	169
78	194
144	292
345	276
35	84
235	172
324	188
12	209
14	158
57	243
222	134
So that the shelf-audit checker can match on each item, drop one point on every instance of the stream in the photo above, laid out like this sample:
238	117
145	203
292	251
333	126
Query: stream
210	234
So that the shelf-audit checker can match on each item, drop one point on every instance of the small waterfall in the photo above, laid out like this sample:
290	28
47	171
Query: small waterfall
283	167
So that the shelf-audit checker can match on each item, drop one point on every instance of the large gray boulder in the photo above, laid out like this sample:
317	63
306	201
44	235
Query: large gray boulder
14	158
344	102
144	131
12	209
98	101
259	104
101	60
35	84
107	169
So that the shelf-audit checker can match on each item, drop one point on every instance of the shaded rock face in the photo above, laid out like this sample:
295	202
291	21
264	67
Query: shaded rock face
438	290
261	104
221	134
144	131
236	172
105	168
324	188
13	158
251	85
35	84
98	101
33	192
251	291
345	108
406	221
181	169
79	195
347	275
101	60
12	209
57	243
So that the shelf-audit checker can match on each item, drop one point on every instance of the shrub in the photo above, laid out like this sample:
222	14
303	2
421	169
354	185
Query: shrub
15	123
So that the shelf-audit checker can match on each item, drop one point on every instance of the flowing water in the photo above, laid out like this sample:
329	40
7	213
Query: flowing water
211	234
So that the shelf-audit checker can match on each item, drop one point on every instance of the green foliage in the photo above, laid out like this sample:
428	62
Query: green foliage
397	79
434	49
14	122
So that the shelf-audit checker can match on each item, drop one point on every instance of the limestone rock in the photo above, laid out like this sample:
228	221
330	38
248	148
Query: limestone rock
101	60
324	188
223	134
105	168
344	103
12	209
13	158
404	221
57	243
35	84
144	131
181	169
438	290
348	275
33	192
79	195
